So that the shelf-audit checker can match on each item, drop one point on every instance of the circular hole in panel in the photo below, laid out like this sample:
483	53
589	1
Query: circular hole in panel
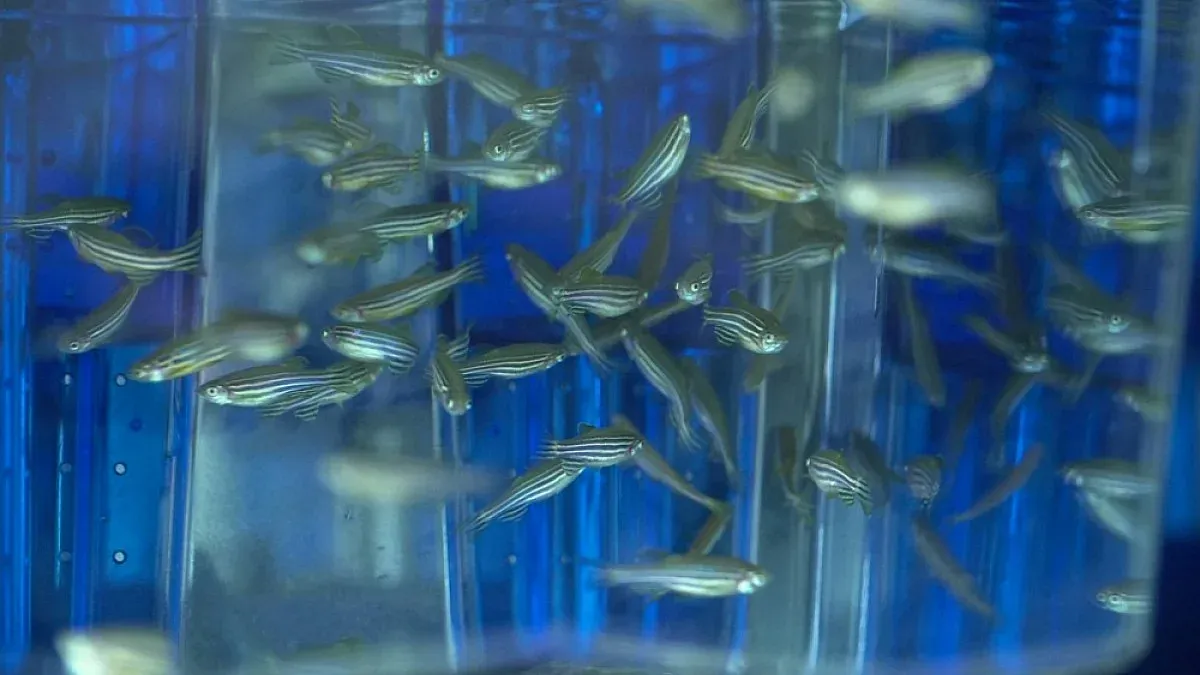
120	380
65	467
135	425
119	468
67	379
64	556
119	557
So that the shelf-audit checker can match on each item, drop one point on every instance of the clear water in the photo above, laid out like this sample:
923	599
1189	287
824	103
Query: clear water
141	505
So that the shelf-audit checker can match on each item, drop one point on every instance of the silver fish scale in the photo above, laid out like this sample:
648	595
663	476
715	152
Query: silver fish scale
543	480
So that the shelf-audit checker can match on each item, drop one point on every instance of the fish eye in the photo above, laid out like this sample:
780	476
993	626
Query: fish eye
327	334
213	391
434	73
1102	598
498	149
527	108
695	286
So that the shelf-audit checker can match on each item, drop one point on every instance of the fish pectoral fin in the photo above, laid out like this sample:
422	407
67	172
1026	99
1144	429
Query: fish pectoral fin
584	428
846	497
329	75
514	514
726	337
343	35
652	591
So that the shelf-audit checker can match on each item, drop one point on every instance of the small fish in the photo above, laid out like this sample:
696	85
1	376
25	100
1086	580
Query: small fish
99	326
489	78
394	480
603	296
658	246
259	336
826	173
96	211
916	197
758	175
663	373
340	382
347	121
747	325
694	286
656	467
924	349
723	19
260	386
714	528
510	175
964	416
540	482
739	132
813	249
1029	357
865	459
337	246
407	296
513	141
317	144
924	477
946	569
751	221
349	59
1100	323
113	252
978	230
374	343
448	383
542	107
708	408
1140	221
1119	517
1070	183
931	82
832	475
1132	597
595	448
927	260
382	166
513	362
598	257
659	162
187	354
1006	488
689	575
962	15
1115	478
401	223
1151	405
1102	168
99	651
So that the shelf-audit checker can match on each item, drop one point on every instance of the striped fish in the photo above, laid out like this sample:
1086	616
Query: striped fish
350	59
343	381
259	386
1102	168
97	211
758	174
513	362
930	82
1131	597
946	569
339	246
603	296
510	175
1114	478
711	413
923	474
746	325
1024	356
832	475
658	246
374	343
694	285
113	252
826	173
1071	183
513	141
99	326
490	79
317	144
924	351
663	373
407	296
448	383
382	166
599	256
865	459
659	469
927	260
697	576
1139	221
401	223
540	482
185	355
813	249
659	163
739	132
1076	310
347	121
542	107
594	448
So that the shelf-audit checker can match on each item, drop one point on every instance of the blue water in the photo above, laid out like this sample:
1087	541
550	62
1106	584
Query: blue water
130	503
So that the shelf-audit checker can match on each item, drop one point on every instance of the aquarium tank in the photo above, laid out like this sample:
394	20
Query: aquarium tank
662	336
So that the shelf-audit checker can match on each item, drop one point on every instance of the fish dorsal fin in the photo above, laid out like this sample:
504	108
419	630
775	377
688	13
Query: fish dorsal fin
343	34
652	555
294	362
739	300
138	236
584	428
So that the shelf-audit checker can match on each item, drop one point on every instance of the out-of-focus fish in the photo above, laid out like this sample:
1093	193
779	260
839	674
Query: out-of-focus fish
924	477
338	246
401	223
348	58
915	197
658	246
722	19
787	464
709	410
513	141
374	343
595	447
1139	221
316	143
394	480
99	326
448	383
407	296
866	460
513	362
694	576
510	175
1118	516
598	257
1151	405
924	349
931	82
1100	323
107	651
964	416
826	173
739	132
926	260
543	480
813	249
658	163
67	213
1024	356
963	15
347	121
747	325
663	373
113	252
832	475
489	78
341	382
1134	596
760	175
1102	168
259	336
602	296
714	528
694	286
1006	488
1070	183
382	166
1116	478
542	107
946	569
751	221
650	461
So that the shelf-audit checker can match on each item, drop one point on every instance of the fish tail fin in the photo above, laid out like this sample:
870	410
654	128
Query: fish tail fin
703	166
287	50
192	253
471	269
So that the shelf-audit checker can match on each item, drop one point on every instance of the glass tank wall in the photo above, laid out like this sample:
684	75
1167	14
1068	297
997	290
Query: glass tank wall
677	336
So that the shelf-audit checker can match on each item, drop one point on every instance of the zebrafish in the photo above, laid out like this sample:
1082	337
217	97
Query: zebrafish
513	362
1024	356
712	531
608	332
813	249
1130	597
510	175
787	463
489	78
1139	221
912	197
259	386
542	107
744	324
99	326
826	173
401	223
603	296
946	569
708	408
658	163
316	143
599	256
382	166
866	460
349	58
1151	405
540	482
924	350
963	15
341	382
374	479
422	289
924	477
1016	479
259	336
187	354
448	383
739	131
513	141
694	285
595	447
1115	478
663	373
722	19
1102	168
374	343
1070	183
689	575
832	475
1099	323
113	252
67	213
931	82
927	260
338	246
751	221
656	467
347	121
658	245
758	174
1118	516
